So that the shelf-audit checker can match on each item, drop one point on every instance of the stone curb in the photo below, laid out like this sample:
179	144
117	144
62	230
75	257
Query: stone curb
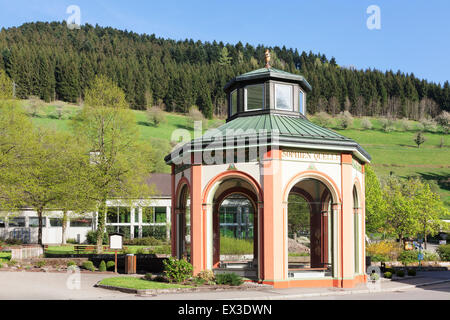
154	292
322	294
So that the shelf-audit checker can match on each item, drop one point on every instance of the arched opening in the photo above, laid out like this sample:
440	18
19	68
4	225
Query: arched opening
184	224
356	227
235	227
310	233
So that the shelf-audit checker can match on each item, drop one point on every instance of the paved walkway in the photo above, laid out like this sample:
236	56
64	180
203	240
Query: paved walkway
54	286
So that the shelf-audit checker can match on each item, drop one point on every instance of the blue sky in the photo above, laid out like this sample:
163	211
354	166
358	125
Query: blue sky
414	35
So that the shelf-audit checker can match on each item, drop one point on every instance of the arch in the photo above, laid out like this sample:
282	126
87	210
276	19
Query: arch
232	174
322	177
358	187
183	182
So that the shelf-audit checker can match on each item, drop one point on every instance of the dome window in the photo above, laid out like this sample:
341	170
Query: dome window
283	97
254	97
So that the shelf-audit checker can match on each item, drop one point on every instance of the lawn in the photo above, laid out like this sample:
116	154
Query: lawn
69	249
139	283
233	246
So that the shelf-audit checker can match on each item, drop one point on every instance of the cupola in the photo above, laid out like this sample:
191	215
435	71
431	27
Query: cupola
267	91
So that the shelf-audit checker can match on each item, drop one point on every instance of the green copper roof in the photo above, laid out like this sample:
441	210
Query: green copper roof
288	131
285	125
271	73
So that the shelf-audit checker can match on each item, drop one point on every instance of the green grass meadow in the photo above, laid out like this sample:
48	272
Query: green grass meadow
393	151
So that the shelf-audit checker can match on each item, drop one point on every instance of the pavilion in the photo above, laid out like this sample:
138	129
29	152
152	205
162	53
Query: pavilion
303	185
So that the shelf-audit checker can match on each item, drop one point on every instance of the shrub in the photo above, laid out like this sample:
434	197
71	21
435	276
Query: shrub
13	242
412	272
429	125
400	273
148	276
177	270
231	279
71	263
11	263
206	275
322	119
88	265
444	121
408	256
430	256
384	250
388	275
1	265
41	263
374	276
366	124
444	252
91	237
379	258
72	241
147	241
387	124
110	265
102	266
344	120
156	116
404	125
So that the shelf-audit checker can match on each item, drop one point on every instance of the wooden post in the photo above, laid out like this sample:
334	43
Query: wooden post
115	261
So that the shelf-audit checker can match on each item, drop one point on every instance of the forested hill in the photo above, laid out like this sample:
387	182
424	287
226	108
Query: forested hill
53	62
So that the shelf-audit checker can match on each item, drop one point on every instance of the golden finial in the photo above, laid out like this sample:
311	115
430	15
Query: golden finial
267	59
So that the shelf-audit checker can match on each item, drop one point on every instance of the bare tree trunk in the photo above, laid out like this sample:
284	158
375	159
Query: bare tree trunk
64	227
39	212
101	226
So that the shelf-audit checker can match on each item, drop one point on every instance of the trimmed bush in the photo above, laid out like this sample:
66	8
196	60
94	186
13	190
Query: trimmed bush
71	263
88	265
388	275
400	273
231	279
444	252
177	270
102	266
412	272
72	241
147	241
110	265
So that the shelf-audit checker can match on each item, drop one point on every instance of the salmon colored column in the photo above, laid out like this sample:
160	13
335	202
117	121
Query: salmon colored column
347	230
173	218
197	250
273	220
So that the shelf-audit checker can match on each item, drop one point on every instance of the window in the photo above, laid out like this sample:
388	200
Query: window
81	223
124	215
55	222
234	102
111	215
160	214
147	215
301	106
136	215
17	222
34	222
283	97
2	223
254	97
154	215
